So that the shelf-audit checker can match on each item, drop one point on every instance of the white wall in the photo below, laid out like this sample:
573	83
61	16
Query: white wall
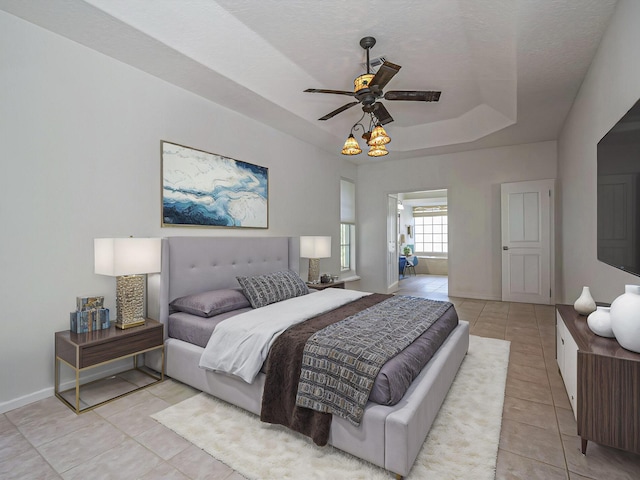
80	135
472	180
610	88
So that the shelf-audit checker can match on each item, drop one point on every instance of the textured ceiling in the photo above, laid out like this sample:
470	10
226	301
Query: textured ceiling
508	69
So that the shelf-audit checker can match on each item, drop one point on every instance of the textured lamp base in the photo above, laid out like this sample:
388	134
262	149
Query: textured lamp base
129	301
314	270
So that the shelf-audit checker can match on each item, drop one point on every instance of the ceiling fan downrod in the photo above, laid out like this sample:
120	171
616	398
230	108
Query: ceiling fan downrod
367	43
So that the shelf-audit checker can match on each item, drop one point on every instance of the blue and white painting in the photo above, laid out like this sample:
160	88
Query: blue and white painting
208	190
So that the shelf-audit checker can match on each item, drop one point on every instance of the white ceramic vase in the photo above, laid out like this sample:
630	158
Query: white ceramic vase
625	318
585	304
600	322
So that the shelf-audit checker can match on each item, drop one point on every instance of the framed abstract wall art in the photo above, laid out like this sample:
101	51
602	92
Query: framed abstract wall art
201	189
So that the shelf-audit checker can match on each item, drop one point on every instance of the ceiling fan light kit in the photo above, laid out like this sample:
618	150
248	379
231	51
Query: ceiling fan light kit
378	151
367	91
378	137
351	146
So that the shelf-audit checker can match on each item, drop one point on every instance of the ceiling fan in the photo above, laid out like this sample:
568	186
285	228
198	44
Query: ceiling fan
368	90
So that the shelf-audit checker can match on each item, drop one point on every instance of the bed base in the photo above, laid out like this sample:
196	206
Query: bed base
390	437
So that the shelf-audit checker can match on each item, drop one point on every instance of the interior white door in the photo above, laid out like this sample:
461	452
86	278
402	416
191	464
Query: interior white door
392	243
526	241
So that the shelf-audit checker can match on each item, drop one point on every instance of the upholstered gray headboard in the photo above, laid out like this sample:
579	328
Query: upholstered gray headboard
197	264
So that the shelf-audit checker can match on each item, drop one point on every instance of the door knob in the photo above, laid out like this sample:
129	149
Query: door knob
505	248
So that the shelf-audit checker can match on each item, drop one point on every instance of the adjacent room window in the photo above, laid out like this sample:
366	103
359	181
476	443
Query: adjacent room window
431	230
347	227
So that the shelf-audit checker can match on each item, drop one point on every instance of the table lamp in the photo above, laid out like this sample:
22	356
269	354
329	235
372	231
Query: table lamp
128	259
315	248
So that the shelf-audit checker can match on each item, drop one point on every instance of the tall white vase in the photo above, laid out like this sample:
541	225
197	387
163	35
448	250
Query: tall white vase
625	318
585	304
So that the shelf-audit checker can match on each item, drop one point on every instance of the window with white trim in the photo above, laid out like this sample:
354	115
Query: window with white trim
345	246
347	226
431	230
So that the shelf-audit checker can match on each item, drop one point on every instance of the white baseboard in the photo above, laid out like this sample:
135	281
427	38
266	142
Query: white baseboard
474	295
25	400
49	391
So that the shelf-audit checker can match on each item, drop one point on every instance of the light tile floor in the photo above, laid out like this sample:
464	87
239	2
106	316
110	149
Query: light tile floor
539	433
46	440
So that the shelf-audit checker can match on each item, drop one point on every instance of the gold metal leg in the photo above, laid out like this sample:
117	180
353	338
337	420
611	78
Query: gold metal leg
77	390
56	374
75	406
162	364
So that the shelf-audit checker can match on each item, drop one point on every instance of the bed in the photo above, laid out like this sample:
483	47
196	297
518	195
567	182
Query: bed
388	436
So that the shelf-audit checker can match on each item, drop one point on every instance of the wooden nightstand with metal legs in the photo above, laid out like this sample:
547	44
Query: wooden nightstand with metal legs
85	351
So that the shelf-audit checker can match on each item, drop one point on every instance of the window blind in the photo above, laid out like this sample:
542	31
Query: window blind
429	211
347	202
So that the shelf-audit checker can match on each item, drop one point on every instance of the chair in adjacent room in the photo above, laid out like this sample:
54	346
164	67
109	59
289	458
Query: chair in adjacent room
410	265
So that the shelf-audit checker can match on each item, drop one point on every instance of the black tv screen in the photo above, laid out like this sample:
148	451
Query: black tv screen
619	194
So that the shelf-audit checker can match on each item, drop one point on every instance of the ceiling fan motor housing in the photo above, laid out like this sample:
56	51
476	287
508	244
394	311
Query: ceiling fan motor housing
362	81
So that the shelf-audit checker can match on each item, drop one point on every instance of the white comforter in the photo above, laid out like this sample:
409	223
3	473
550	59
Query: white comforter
240	345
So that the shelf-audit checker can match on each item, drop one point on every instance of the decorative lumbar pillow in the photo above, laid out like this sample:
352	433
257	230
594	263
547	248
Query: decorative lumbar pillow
274	287
214	302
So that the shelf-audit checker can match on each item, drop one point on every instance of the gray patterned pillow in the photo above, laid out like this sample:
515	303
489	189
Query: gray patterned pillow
273	287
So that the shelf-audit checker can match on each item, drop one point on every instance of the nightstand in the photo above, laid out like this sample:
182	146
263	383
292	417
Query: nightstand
84	351
322	286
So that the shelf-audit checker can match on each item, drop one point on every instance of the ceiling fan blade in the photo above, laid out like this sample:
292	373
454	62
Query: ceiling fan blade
382	114
413	95
339	110
321	90
385	73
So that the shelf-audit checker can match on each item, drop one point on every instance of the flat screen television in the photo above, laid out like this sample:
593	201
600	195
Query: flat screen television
619	194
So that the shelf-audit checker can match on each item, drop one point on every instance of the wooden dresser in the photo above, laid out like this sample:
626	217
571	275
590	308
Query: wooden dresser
607	383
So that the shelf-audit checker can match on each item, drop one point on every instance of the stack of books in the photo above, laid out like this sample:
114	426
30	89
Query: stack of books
90	315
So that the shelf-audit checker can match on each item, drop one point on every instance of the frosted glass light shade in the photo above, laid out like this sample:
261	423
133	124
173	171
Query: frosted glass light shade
378	137
315	247
378	151
351	146
126	256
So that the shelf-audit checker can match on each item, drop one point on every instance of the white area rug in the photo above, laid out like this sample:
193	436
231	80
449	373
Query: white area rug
463	442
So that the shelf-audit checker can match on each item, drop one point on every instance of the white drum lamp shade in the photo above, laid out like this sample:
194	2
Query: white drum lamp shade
314	248
128	259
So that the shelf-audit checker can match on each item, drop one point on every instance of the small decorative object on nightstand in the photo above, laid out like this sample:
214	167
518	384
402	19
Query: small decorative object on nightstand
128	259
90	315
322	286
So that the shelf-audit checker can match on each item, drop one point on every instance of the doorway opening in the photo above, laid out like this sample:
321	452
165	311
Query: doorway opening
423	243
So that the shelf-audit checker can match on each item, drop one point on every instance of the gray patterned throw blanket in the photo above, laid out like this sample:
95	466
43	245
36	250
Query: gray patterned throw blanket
341	361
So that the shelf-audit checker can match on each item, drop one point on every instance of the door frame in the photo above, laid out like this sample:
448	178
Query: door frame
392	280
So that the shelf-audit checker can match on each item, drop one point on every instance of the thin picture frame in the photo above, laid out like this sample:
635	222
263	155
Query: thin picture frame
202	189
